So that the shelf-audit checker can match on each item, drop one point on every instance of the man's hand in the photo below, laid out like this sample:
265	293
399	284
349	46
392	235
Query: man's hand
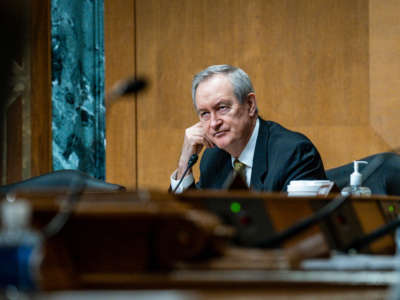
195	139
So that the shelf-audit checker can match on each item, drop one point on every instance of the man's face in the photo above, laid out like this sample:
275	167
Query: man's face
227	123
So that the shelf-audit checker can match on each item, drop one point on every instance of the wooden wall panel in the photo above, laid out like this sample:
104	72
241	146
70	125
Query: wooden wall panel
308	61
14	141
119	40
316	72
315	66
385	70
41	155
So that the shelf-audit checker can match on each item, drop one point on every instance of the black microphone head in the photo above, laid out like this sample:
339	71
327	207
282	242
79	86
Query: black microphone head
133	85
125	87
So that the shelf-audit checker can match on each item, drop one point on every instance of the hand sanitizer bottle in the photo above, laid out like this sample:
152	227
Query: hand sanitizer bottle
20	247
355	187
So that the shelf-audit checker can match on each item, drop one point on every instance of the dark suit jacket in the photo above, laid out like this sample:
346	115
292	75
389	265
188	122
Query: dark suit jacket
280	156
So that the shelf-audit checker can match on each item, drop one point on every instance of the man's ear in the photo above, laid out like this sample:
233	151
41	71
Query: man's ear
251	101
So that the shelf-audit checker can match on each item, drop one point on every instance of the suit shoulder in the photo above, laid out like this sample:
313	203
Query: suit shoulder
282	136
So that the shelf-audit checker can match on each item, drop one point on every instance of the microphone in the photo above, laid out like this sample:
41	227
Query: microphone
192	160
367	239
126	87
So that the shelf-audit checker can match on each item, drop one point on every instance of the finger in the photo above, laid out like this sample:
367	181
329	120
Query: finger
209	140
208	143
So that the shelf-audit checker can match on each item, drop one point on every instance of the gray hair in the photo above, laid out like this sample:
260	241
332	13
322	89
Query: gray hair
240	81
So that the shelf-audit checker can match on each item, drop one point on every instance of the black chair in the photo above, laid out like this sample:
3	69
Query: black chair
61	181
381	175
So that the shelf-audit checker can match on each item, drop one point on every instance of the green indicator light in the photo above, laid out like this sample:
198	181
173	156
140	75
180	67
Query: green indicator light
235	207
391	208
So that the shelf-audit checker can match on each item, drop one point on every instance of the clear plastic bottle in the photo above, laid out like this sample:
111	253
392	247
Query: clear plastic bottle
355	187
20	247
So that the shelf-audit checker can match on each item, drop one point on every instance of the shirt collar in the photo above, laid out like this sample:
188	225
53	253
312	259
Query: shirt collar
247	154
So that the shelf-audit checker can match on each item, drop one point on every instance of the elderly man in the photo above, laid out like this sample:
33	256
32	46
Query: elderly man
232	132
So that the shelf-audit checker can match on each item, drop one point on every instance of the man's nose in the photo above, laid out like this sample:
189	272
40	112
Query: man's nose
215	122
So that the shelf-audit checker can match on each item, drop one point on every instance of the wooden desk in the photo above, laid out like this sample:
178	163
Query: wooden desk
255	284
357	217
123	241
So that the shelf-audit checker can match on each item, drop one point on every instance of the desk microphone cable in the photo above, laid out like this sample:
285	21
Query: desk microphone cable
68	202
304	224
371	237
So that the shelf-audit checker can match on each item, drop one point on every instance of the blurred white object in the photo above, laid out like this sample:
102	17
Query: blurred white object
309	187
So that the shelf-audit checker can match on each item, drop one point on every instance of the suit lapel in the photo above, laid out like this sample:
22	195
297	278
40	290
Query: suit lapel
260	157
223	171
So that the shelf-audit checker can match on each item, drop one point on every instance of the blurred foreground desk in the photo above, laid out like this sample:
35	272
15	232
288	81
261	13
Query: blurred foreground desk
255	284
138	241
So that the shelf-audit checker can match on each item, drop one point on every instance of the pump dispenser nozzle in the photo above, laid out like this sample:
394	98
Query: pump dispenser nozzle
355	187
356	177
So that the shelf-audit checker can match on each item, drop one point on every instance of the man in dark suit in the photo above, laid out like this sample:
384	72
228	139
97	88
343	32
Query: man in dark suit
229	127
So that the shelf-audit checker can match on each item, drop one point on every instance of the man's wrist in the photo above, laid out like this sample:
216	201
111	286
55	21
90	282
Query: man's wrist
186	182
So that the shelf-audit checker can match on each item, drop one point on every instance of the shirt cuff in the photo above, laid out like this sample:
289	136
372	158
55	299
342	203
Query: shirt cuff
186	182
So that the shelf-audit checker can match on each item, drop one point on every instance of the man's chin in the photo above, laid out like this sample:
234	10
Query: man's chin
221	144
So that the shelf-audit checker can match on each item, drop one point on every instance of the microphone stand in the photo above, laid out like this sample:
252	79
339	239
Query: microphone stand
192	160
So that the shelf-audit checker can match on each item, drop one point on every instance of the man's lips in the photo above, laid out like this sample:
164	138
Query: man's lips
219	133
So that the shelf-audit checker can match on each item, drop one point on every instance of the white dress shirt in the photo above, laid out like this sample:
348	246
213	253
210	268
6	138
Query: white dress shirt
245	157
